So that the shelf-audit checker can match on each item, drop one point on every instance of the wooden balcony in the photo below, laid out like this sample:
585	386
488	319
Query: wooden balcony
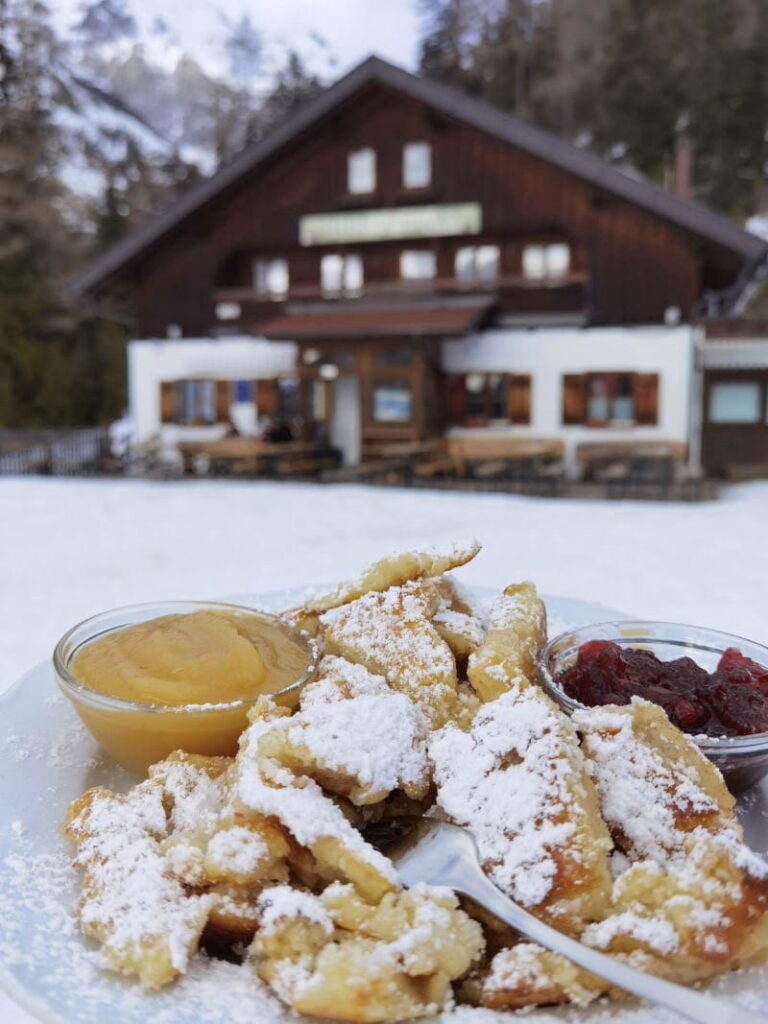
399	289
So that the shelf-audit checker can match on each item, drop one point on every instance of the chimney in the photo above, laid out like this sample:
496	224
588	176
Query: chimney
682	178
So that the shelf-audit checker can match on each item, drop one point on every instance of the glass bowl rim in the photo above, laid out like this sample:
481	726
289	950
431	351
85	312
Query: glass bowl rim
76	688
752	743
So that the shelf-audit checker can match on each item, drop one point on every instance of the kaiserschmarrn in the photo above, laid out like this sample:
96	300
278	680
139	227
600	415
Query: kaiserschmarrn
609	824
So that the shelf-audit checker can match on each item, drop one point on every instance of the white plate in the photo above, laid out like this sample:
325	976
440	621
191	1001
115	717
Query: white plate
47	759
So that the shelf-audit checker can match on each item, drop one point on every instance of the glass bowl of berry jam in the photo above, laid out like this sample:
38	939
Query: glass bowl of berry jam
712	685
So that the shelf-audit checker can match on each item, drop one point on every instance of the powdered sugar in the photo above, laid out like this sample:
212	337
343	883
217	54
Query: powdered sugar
281	901
506	781
640	794
299	803
331	734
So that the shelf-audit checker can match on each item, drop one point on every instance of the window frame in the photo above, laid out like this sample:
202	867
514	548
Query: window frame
262	265
545	248
488	398
762	411
195	385
419	145
344	288
611	378
358	153
404	253
476	278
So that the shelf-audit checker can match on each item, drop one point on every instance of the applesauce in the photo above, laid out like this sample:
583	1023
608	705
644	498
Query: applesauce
154	678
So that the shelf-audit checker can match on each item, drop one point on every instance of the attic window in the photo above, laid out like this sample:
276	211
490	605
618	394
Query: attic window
417	165
361	171
546	261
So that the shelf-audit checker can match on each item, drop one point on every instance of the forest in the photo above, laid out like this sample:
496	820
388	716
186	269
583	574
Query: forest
96	134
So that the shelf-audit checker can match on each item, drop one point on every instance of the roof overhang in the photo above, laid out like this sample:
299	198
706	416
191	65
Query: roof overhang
416	321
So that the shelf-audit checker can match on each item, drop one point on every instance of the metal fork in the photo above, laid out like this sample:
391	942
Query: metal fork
438	853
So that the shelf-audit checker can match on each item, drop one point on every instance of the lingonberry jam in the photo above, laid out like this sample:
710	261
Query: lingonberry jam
731	701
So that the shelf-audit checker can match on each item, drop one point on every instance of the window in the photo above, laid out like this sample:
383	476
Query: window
392	402
341	274
611	399
228	310
546	261
417	264
392	357
361	171
287	398
195	402
417	164
477	399
242	391
475	263
270	277
735	401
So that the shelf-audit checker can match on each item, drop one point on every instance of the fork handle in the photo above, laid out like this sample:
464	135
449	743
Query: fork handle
688	1002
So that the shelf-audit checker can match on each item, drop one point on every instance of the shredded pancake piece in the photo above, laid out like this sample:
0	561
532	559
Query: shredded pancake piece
336	956
132	904
265	787
324	743
395	570
517	631
517	780
392	635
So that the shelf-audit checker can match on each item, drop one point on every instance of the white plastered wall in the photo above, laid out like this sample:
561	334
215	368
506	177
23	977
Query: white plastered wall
152	361
549	353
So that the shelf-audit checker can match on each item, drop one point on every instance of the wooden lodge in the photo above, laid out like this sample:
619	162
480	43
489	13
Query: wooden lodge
400	265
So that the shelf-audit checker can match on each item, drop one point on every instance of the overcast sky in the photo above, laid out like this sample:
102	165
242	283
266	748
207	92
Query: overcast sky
352	28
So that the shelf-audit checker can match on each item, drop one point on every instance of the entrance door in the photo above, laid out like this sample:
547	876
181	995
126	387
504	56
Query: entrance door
345	419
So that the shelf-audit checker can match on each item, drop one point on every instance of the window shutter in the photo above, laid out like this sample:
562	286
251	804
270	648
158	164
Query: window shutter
223	400
646	395
266	397
519	398
456	404
574	398
167	401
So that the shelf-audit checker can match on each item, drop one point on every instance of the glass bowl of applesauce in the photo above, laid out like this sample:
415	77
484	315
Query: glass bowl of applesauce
178	675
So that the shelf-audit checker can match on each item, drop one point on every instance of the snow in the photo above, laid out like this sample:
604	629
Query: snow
331	35
71	548
758	225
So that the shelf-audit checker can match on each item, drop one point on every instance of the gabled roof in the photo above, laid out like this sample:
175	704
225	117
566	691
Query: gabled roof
693	217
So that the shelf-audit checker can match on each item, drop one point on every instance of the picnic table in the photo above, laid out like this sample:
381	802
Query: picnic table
254	457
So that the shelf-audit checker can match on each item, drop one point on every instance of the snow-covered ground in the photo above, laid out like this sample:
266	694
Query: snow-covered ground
69	549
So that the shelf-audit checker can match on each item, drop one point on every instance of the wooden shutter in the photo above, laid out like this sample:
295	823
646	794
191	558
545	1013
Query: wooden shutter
574	398
168	401
223	400
456	403
646	394
266	397
519	398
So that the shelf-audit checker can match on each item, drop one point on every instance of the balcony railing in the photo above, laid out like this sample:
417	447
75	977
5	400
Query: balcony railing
400	288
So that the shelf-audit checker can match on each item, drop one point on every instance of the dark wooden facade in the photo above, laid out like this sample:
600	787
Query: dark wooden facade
628	265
